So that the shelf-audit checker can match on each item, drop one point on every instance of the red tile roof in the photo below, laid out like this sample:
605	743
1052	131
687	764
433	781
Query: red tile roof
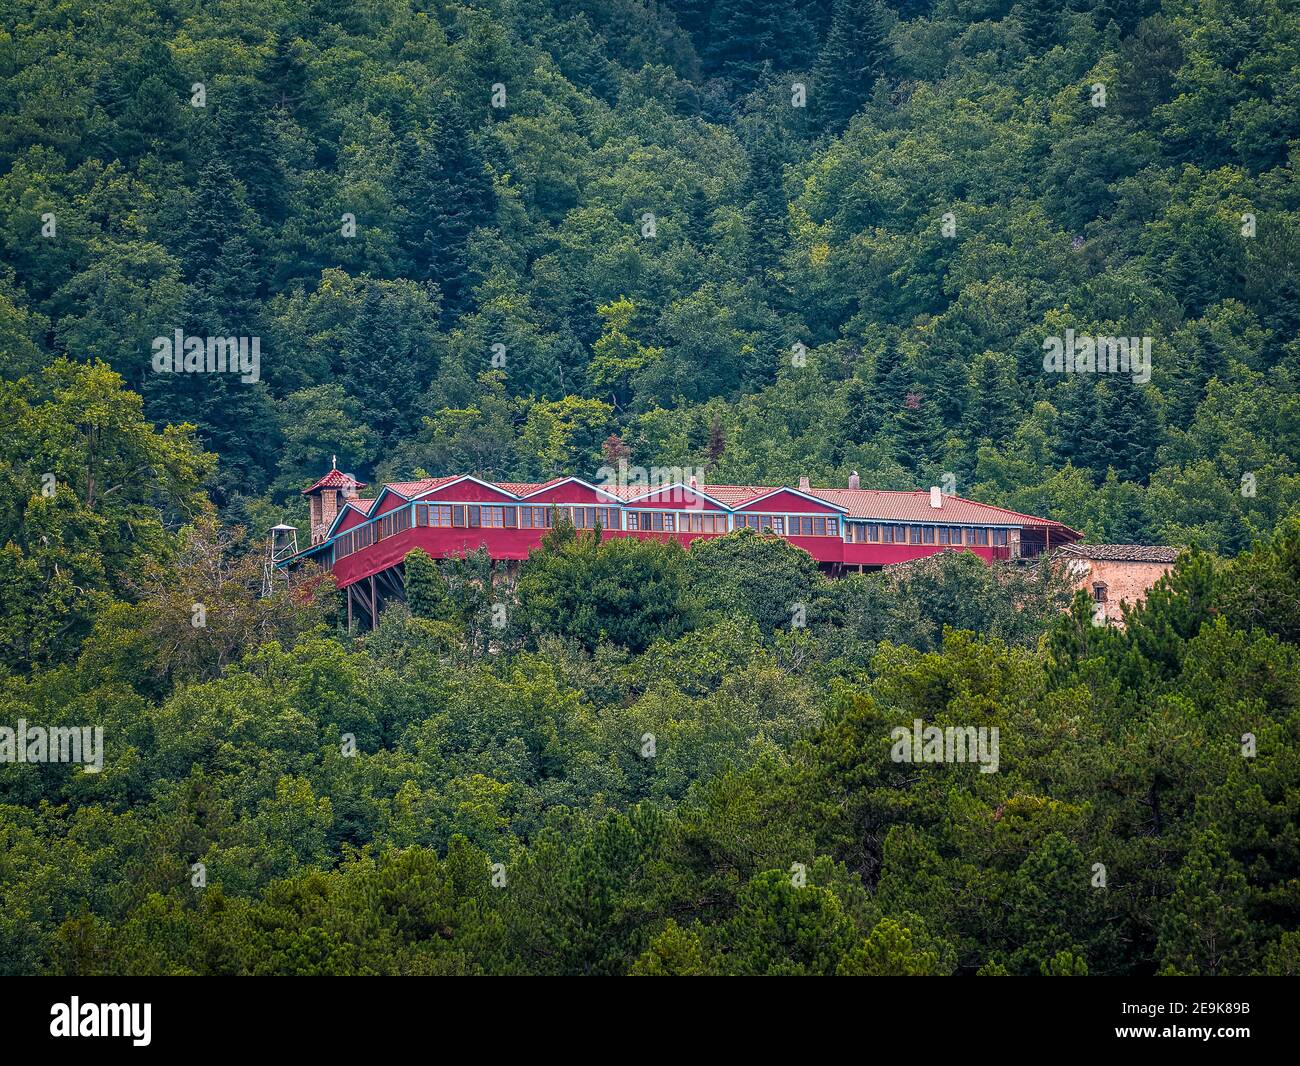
1126	553
408	489
335	479
737	495
862	504
525	488
896	506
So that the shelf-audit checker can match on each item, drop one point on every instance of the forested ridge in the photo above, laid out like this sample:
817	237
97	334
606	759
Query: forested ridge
758	239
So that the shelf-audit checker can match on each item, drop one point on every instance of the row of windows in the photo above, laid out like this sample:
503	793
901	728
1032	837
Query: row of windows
354	540
791	525
882	533
482	516
677	521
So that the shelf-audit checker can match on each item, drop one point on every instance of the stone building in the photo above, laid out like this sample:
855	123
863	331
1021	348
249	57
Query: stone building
1115	574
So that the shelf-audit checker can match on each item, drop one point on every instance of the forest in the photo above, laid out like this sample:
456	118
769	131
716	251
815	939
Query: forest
523	238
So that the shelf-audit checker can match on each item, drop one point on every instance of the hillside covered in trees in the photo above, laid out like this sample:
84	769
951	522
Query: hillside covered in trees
759	239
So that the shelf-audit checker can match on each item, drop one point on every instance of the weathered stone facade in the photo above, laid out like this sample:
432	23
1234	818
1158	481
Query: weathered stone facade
1115	574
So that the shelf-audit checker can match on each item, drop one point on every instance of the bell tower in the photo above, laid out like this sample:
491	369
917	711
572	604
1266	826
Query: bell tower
327	498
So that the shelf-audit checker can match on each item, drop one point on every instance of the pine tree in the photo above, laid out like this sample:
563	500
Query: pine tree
747	37
857	52
889	378
427	594
1128	431
446	193
918	432
1040	19
1204	928
1077	429
717	441
991	402
767	212
861	419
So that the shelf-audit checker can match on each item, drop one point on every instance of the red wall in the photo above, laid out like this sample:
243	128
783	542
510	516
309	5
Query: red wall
391	502
467	492
884	554
676	500
353	517
570	492
519	543
784	501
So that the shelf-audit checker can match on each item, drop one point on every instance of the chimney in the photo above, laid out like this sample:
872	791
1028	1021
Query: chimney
855	482
804	485
936	496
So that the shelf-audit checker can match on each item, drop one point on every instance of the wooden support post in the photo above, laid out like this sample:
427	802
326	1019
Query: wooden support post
374	605
349	590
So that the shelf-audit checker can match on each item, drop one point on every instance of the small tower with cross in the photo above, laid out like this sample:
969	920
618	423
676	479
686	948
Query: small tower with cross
327	498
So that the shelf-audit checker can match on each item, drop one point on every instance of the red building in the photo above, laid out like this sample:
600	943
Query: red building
363	541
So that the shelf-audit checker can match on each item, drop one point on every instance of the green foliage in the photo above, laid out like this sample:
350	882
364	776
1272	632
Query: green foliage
664	761
623	591
426	589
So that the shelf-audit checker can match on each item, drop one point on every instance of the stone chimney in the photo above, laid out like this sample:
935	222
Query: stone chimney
855	482
804	484
936	497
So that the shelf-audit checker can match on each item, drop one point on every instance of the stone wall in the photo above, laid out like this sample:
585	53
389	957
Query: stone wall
1126	582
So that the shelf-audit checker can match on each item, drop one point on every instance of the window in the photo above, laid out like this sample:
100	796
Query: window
458	516
981	535
1099	593
873	532
778	524
943	534
819	527
511	515
927	535
900	534
493	517
956	534
704	523
654	521
999	536
887	534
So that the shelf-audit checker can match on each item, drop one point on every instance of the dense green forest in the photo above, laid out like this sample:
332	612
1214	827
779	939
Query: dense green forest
762	239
